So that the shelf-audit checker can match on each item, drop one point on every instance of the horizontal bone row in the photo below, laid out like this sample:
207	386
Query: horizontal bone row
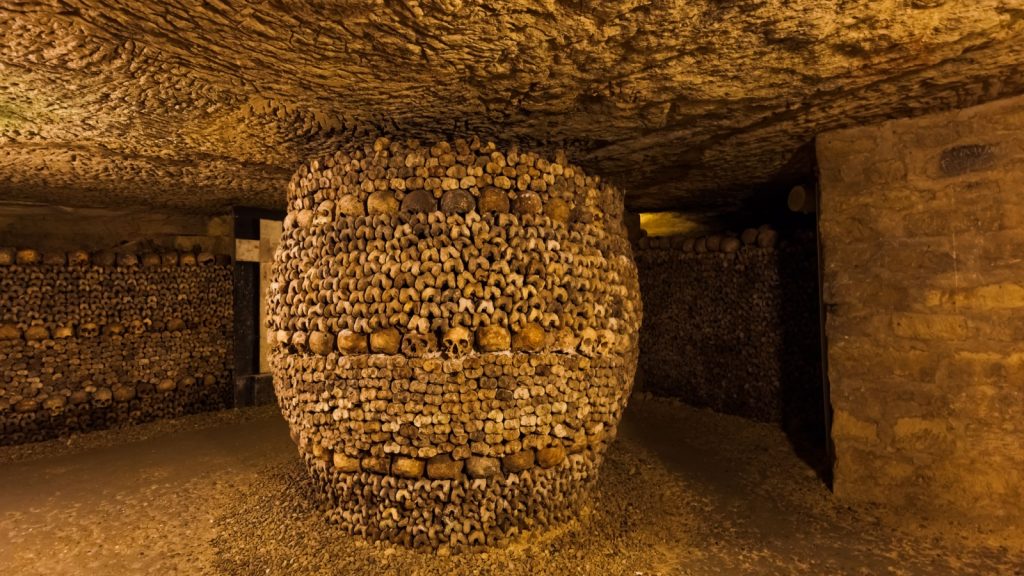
161	372
451	314
103	410
84	300
425	274
393	175
452	343
492	405
32	257
460	512
764	237
86	347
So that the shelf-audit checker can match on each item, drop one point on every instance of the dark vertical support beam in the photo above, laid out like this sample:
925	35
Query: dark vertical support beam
247	306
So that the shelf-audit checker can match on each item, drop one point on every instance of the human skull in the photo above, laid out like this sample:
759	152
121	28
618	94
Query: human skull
588	342
78	258
493	338
137	326
606	342
36	333
565	341
321	343
54	405
456	342
304	218
324	213
10	332
187	259
558	210
457	202
27	256
299	341
382	202
6	256
530	338
62	332
102	397
418	201
127	259
385	341
113	329
176	325
206	259
528	203
493	200
349	205
124	393
88	330
350	342
415	344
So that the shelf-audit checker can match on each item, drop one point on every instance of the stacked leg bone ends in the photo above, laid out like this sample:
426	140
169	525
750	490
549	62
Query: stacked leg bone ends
90	341
456	337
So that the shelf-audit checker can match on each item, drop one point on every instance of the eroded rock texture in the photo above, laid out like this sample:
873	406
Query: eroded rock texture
690	104
456	333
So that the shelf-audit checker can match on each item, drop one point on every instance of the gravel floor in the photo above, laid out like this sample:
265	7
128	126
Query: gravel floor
683	491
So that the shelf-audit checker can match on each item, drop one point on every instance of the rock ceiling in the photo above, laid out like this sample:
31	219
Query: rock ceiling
697	105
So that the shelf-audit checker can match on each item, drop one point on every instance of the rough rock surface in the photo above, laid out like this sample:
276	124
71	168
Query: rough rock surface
200	105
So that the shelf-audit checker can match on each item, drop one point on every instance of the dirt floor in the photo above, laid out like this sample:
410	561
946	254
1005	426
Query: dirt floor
683	491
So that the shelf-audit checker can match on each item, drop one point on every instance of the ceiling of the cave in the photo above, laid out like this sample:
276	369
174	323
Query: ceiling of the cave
697	105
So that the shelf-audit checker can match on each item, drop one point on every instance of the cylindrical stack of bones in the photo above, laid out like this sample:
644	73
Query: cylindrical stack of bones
456	332
89	341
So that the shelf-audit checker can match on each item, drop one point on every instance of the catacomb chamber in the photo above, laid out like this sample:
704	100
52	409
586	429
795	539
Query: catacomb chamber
455	333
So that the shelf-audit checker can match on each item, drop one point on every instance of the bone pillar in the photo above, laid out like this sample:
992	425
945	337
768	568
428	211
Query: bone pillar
455	333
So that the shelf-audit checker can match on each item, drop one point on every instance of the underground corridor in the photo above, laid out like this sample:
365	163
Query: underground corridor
417	287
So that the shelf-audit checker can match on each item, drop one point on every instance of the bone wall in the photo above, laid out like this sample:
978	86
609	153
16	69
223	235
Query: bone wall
455	332
732	324
922	233
90	341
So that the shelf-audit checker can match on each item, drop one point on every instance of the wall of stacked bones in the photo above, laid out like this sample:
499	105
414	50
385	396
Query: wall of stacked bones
456	332
732	322
89	341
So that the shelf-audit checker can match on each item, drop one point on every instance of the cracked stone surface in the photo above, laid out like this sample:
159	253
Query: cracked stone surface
687	104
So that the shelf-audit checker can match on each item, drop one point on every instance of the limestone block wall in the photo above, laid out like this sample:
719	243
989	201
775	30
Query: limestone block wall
90	341
456	337
732	324
923	229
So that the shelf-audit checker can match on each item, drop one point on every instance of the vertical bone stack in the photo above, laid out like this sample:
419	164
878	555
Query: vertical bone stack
455	333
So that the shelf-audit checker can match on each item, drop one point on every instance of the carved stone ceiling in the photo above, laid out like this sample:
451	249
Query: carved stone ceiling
697	105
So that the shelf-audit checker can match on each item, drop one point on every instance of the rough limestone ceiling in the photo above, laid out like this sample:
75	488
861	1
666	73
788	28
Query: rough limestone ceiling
691	104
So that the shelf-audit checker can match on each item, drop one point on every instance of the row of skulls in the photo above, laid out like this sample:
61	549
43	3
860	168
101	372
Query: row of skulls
452	343
31	256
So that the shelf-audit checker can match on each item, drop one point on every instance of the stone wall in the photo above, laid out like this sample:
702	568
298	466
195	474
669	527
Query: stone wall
922	231
93	341
732	324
